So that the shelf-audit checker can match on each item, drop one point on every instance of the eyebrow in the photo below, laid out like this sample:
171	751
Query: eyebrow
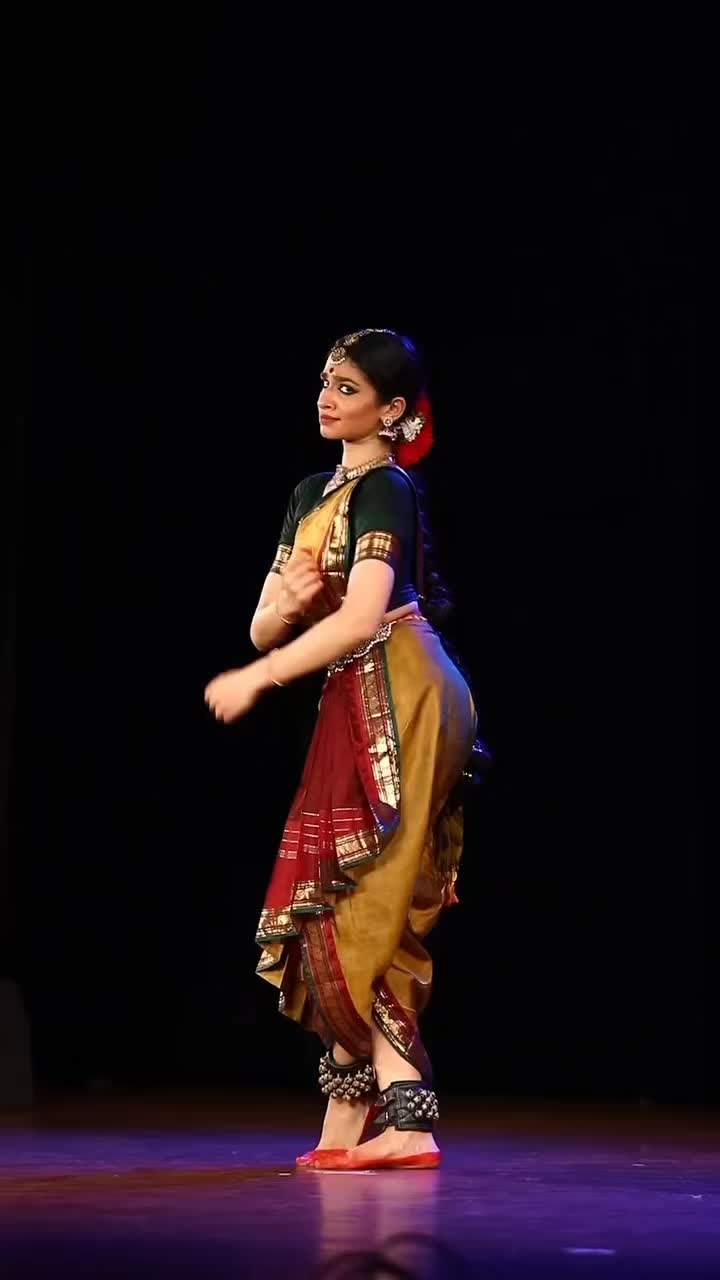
345	378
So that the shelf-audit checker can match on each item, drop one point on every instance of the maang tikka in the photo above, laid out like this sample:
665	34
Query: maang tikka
339	353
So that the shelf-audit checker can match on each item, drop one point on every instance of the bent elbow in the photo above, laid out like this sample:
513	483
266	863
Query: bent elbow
255	639
369	631
363	629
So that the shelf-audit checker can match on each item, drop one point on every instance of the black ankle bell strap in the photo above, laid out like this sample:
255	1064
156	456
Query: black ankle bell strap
346	1083
407	1104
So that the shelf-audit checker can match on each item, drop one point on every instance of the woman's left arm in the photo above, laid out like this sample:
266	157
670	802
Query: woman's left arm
370	585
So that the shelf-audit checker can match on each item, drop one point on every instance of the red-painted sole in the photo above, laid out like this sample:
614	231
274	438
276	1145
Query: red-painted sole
340	1162
318	1156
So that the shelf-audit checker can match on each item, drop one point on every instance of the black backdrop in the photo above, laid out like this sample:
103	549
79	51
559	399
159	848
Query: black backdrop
191	239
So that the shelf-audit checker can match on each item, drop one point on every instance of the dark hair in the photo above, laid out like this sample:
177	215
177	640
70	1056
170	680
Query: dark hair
389	361
392	363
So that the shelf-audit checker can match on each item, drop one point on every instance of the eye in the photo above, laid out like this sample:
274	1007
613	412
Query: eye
346	388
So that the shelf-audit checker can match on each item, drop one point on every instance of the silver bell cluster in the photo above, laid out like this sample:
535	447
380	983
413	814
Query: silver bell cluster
422	1103
345	1083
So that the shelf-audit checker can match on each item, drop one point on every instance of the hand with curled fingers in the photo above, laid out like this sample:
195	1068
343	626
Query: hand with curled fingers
301	583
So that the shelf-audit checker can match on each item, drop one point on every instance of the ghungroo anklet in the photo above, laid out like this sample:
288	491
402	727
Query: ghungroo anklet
346	1083
407	1104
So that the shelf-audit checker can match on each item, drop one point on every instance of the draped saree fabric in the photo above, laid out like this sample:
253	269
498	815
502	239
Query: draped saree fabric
370	849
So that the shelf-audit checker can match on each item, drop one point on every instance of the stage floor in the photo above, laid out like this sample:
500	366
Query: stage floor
206	1187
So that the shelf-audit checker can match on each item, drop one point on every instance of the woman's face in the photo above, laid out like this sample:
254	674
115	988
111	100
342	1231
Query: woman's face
349	406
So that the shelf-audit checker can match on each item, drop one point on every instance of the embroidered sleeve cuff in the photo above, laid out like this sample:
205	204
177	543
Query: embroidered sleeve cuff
282	555
376	545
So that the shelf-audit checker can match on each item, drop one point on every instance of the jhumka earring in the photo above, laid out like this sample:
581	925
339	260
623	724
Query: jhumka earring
389	429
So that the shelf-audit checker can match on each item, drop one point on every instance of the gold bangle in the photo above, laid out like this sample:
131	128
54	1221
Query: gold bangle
287	621
279	683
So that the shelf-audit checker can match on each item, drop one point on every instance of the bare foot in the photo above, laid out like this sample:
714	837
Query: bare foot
343	1124
393	1142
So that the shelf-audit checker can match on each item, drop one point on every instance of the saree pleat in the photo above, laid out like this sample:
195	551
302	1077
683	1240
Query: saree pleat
369	854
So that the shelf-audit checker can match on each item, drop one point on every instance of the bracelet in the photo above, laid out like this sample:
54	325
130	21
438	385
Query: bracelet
279	683
287	621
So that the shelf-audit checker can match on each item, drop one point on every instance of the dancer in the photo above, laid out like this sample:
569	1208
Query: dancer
371	846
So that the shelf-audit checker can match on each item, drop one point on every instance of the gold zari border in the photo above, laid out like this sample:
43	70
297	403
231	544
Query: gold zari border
282	555
377	545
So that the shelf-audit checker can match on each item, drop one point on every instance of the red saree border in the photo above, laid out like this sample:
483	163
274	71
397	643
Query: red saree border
326	983
400	1029
374	732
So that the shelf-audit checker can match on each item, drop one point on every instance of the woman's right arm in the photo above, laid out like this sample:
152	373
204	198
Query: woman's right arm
284	599
267	629
292	583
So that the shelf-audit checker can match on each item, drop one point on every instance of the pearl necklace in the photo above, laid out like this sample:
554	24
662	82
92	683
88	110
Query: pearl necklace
343	474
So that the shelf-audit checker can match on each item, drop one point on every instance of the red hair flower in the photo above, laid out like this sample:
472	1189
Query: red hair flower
420	430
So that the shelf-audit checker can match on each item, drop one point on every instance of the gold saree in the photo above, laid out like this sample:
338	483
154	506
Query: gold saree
372	843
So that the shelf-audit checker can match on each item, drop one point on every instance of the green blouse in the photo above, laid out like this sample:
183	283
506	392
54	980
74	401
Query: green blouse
384	524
